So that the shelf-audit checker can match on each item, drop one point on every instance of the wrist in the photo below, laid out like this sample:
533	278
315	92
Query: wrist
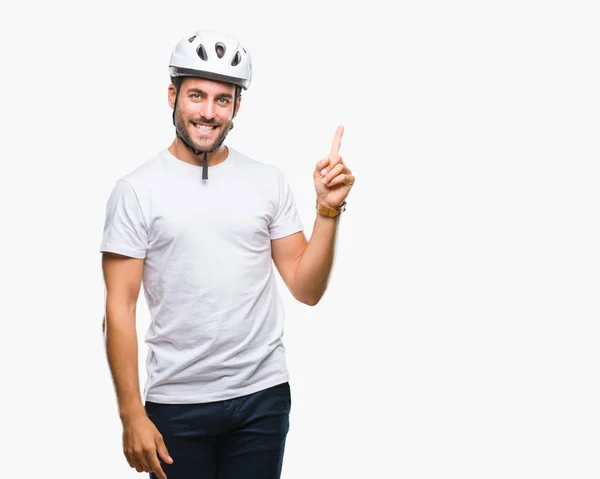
131	413
330	211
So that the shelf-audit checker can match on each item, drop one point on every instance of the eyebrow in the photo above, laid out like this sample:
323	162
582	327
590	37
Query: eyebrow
220	95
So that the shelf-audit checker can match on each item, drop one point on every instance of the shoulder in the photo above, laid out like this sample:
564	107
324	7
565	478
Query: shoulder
146	174
138	184
259	170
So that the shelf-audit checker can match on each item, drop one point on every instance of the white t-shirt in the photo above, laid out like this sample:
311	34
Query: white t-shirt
216	315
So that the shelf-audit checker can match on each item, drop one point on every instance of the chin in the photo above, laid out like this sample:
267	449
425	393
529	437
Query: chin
201	144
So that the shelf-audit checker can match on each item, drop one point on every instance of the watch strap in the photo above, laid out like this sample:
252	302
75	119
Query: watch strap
329	211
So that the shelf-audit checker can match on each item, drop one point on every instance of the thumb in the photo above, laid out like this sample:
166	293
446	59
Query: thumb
162	451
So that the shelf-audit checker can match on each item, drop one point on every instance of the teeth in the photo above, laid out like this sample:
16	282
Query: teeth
205	127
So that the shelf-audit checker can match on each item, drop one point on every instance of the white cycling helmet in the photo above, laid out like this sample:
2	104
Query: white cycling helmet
214	56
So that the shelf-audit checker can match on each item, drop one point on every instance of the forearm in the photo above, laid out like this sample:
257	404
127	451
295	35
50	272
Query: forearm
122	354
315	264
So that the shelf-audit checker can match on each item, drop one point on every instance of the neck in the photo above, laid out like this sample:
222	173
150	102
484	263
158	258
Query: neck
179	150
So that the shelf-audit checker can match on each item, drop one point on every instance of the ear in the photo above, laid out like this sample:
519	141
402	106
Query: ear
172	95
237	106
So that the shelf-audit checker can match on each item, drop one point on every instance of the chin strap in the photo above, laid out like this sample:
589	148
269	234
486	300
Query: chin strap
205	167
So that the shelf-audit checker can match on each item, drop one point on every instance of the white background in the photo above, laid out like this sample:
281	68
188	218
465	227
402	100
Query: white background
459	336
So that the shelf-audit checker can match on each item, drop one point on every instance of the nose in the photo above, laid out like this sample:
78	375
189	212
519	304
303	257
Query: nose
208	109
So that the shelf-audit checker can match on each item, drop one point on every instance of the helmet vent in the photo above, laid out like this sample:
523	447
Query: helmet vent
202	52
236	59
220	49
191	39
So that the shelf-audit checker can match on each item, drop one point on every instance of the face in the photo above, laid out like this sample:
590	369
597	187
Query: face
204	111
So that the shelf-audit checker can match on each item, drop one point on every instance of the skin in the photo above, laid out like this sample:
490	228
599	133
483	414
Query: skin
202	102
304	266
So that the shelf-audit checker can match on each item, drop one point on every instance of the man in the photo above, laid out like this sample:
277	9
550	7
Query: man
202	225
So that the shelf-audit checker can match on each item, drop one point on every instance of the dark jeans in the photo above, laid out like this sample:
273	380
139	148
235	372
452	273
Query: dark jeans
238	438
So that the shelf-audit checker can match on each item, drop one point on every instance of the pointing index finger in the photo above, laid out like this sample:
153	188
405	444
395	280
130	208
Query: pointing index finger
337	141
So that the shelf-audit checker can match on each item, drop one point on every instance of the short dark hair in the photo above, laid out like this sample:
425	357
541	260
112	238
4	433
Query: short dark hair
176	81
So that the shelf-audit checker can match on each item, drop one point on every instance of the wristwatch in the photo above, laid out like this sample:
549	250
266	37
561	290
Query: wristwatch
329	211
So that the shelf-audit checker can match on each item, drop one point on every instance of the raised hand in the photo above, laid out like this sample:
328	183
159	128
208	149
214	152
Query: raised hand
333	179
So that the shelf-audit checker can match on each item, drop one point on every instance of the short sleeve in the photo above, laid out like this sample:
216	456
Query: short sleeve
125	230
286	220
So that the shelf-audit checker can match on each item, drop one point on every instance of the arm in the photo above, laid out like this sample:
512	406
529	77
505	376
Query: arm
125	232
141	439
306	267
123	278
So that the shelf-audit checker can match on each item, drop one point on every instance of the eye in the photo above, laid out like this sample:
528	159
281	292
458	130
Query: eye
223	101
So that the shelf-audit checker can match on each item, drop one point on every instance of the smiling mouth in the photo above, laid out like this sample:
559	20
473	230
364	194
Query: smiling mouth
204	130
